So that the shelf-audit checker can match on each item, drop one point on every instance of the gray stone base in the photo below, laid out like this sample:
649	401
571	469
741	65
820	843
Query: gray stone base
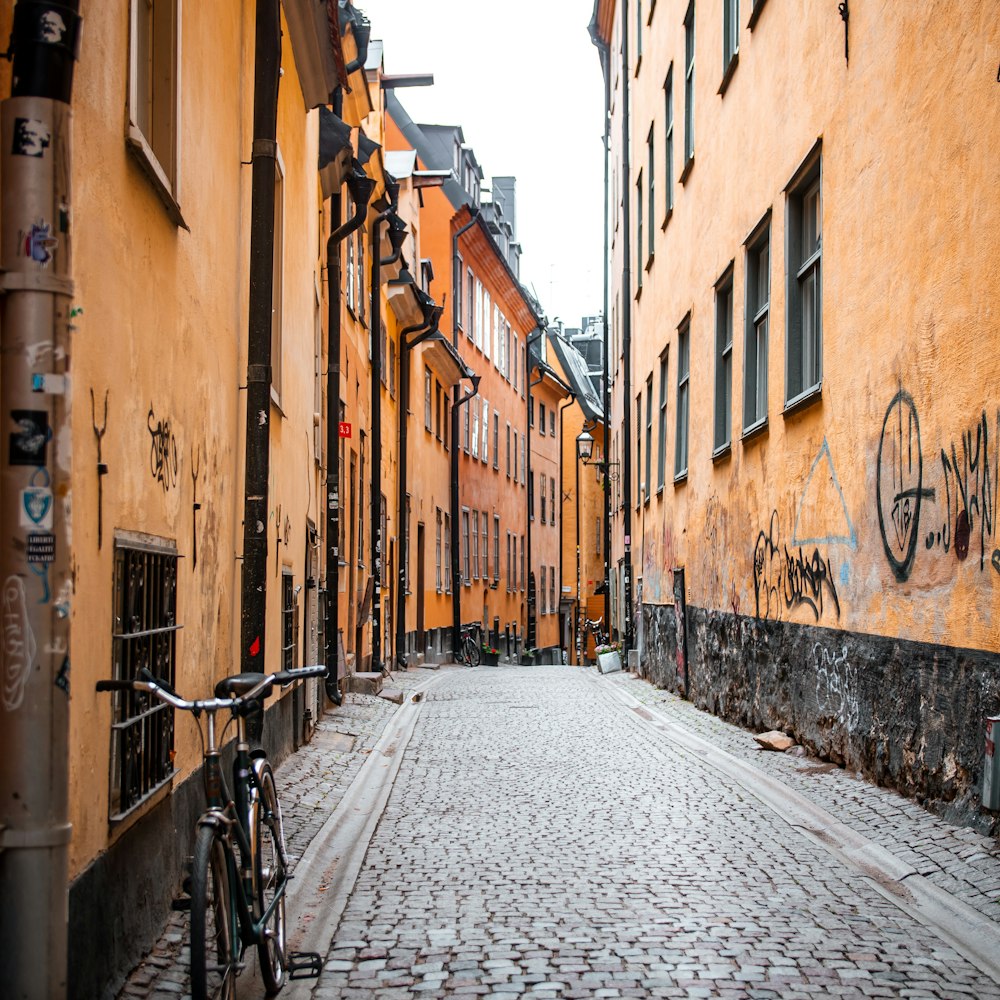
907	715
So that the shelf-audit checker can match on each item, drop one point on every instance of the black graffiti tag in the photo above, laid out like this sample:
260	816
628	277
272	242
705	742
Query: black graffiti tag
806	581
163	460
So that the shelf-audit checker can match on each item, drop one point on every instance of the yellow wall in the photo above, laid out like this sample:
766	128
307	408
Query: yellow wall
910	142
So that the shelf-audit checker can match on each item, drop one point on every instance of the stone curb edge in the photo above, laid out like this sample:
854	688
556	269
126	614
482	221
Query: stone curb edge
967	930
325	875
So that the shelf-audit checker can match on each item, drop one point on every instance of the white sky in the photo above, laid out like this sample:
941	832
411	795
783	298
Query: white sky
524	82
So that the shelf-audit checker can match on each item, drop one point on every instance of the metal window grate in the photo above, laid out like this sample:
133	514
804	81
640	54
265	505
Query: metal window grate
144	636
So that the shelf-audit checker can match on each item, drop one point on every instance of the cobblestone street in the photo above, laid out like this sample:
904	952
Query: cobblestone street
541	842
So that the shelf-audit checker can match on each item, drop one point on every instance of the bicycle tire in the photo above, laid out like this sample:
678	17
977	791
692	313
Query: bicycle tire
472	654
269	875
213	955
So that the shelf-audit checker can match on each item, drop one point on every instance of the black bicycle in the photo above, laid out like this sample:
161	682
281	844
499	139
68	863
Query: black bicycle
595	627
471	652
239	871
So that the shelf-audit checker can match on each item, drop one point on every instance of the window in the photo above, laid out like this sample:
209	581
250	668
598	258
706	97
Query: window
428	411
465	427
508	447
668	171
362	284
688	87
475	545
552	422
723	361
531	411
144	635
650	192
475	428
757	310
466	578
459	269
681	431
470	305
638	51
639	252
524	572
640	484
510	579
496	548
541	490
541	419
552	493
487	323
496	440
515	454
437	551
447	420
647	478
531	495
486	431
289	623
392	368
661	457
447	553
277	273
523	460
478	328
730	35
542	595
597	536
804	361
437	410
552	589
349	265
154	97
485	527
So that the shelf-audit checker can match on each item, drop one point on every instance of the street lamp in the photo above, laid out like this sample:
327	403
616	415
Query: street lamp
585	446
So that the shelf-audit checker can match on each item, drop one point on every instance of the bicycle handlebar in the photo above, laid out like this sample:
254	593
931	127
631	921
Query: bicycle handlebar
164	692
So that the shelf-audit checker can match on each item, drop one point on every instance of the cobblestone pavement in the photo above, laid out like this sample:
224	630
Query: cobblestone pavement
310	784
958	860
542	842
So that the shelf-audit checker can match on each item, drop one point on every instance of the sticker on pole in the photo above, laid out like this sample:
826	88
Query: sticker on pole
345	429
35	509
41	547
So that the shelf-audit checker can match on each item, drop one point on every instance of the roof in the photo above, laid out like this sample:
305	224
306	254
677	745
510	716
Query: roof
578	375
434	149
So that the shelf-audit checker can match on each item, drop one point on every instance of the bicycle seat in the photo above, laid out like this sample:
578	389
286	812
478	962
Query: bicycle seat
239	684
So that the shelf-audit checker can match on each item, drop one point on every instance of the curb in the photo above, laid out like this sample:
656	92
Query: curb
964	928
326	873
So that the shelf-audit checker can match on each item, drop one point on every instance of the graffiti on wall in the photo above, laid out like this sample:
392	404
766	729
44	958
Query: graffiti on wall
966	500
836	687
163	458
787	579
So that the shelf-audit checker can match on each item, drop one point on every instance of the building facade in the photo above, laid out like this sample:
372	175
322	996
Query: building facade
812	472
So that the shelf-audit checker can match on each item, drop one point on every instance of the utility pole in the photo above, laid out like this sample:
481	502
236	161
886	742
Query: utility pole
35	466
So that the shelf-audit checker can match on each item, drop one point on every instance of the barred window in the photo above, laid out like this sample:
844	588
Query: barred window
289	623
144	636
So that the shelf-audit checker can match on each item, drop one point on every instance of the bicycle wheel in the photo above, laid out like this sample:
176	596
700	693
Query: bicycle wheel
269	877
213	957
472	654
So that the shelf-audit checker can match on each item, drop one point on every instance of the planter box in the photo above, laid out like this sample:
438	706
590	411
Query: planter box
608	663
489	659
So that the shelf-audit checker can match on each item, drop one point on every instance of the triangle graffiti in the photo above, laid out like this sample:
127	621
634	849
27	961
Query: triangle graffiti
822	517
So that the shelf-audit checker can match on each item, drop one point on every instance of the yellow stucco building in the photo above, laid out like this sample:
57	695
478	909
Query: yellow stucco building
803	310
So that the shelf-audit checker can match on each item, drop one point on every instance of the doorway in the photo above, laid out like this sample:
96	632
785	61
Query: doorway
420	588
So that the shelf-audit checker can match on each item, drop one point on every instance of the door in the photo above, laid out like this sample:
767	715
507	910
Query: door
420	588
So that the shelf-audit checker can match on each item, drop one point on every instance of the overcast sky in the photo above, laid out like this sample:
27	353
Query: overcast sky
524	82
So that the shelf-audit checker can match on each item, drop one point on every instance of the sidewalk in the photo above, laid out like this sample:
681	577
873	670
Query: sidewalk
311	782
954	859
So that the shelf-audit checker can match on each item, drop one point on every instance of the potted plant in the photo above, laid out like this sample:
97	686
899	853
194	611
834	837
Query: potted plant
609	657
528	655
491	655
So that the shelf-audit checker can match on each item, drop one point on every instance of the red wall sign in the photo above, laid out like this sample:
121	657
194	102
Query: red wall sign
345	429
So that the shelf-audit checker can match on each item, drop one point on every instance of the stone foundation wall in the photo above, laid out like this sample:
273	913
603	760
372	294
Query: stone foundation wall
908	715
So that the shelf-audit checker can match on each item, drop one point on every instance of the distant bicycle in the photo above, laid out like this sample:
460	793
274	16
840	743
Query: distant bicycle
235	901
471	652
595	627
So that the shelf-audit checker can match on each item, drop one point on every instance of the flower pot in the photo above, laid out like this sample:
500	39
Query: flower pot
490	659
609	662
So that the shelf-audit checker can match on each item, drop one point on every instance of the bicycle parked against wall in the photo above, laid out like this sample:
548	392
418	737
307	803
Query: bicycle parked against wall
471	652
595	627
239	873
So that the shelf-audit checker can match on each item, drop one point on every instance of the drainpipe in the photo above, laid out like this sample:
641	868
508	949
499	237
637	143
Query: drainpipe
35	202
627	334
423	331
530	634
562	408
376	432
361	187
457	401
267	68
